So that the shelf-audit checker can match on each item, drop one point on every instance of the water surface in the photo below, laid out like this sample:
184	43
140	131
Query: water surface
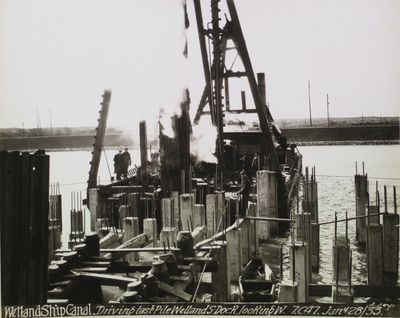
335	168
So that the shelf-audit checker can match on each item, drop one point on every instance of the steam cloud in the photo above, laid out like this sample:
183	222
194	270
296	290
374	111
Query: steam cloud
202	142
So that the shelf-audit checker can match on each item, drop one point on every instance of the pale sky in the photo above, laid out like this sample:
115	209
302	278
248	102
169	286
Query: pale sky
61	55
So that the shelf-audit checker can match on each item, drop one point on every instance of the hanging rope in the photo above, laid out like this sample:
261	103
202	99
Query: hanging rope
108	167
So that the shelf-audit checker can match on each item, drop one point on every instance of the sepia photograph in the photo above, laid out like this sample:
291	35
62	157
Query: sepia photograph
199	157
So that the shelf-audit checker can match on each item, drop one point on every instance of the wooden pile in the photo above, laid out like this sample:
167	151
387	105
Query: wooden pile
24	208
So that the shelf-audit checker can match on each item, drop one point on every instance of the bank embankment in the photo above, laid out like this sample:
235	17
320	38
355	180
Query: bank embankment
62	142
334	135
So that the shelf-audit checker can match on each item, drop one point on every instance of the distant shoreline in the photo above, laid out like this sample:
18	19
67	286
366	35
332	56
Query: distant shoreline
305	144
307	136
350	143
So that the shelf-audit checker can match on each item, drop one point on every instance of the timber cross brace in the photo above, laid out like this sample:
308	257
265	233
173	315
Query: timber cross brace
216	89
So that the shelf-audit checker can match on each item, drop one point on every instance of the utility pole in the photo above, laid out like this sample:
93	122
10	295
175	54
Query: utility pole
38	123
309	102
327	107
51	125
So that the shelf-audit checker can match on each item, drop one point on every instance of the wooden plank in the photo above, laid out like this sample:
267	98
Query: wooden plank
198	259
202	254
106	279
92	269
136	242
171	290
136	249
57	301
96	264
111	240
62	284
61	252
207	248
219	235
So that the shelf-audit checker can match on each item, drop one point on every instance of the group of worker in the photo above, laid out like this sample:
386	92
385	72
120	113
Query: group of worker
122	161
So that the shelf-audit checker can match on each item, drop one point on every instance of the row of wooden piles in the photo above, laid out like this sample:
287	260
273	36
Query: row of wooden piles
181	217
55	220
377	233
31	226
77	220
78	275
24	211
304	245
378	230
214	224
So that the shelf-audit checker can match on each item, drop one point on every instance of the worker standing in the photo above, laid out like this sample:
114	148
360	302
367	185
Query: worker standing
118	164
244	191
126	162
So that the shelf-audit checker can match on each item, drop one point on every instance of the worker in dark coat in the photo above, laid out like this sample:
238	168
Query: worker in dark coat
117	164
126	162
244	192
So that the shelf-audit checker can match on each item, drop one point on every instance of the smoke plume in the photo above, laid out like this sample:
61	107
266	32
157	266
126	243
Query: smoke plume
202	142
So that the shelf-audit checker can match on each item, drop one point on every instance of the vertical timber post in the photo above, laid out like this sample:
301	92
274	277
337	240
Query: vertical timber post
144	176
267	202
261	88
390	248
221	280
94	206
243	96
375	254
361	196
187	206
299	272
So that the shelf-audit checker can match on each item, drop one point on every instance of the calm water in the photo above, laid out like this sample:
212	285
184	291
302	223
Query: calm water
335	168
